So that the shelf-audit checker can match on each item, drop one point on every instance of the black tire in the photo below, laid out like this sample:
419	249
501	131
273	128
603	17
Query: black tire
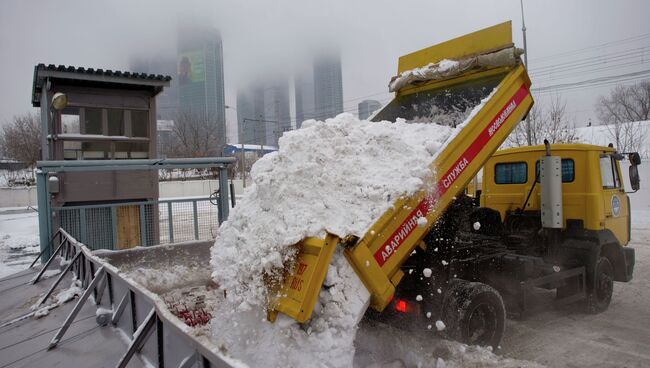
599	293
474	314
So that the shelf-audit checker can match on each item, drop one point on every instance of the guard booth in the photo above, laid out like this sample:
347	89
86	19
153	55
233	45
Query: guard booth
95	115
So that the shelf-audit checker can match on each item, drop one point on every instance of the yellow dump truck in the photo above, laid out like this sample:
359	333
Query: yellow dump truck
474	259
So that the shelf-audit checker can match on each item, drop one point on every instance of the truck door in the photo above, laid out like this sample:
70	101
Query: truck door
614	199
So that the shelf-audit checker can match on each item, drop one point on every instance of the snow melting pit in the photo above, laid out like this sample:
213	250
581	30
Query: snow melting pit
335	177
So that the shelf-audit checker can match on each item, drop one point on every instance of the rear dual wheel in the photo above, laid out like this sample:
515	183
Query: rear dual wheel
474	313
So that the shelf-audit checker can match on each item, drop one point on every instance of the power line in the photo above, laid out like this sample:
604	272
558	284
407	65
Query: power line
594	81
579	51
560	76
591	61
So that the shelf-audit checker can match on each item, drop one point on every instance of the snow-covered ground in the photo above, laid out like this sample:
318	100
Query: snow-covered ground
556	338
603	135
18	240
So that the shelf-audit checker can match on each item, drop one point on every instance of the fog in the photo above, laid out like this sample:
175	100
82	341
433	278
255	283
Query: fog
267	37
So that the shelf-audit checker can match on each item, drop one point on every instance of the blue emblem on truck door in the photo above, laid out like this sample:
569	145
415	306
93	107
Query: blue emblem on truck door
616	205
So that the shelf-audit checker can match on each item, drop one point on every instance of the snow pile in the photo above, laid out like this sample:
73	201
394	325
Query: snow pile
70	293
326	340
447	68
168	278
64	296
337	176
443	68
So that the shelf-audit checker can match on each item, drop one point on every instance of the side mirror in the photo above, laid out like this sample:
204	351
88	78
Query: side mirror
635	158
635	181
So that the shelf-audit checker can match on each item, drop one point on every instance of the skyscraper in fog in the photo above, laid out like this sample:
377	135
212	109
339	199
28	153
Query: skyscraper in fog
367	107
277	112
250	111
328	85
304	94
263	112
200	78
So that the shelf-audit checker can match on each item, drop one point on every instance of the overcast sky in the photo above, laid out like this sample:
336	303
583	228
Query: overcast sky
568	41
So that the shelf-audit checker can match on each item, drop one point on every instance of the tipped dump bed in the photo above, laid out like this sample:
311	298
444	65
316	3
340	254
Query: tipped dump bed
498	96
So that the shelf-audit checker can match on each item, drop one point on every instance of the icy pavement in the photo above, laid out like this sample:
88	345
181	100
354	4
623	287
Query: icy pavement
618	337
18	240
379	345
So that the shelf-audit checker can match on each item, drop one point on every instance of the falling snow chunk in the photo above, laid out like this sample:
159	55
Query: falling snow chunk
418	298
444	263
422	221
429	327
477	226
428	314
439	291
426	272
440	325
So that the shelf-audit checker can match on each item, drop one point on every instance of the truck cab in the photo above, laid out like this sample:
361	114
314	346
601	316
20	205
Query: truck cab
595	205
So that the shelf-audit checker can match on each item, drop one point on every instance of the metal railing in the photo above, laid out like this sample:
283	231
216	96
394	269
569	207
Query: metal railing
85	222
124	225
153	332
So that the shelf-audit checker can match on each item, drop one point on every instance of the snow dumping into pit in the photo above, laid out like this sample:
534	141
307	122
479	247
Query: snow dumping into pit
337	176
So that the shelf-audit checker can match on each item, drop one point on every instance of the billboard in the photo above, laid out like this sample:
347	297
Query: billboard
191	67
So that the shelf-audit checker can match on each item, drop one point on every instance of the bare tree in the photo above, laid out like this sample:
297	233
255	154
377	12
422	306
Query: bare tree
558	128
194	135
519	136
622	113
20	139
249	159
550	122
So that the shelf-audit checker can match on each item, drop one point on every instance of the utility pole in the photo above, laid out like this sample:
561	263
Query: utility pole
523	30
243	164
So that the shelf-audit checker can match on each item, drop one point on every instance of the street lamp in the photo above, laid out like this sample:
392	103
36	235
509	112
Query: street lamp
59	101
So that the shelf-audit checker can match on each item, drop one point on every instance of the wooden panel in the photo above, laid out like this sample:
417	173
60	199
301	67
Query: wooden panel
128	227
100	97
108	186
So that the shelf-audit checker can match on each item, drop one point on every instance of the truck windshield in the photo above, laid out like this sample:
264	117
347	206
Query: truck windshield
608	173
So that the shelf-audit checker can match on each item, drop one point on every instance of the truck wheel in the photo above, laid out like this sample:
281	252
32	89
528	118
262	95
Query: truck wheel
600	296
474	313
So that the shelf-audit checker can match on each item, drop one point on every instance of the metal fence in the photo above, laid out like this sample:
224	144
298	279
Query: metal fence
125	225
